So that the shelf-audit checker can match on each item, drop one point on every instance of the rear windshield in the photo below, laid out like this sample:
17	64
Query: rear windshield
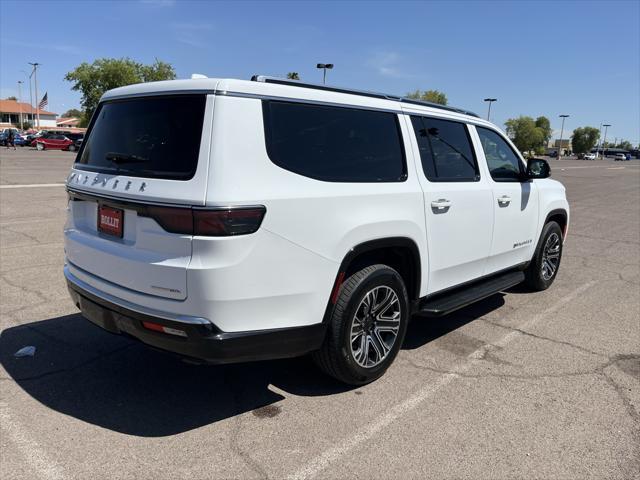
154	137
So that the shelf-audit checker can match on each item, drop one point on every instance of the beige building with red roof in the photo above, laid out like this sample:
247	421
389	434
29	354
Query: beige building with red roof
10	114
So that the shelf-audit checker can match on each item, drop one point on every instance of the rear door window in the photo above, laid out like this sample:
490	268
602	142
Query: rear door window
153	137
445	150
335	144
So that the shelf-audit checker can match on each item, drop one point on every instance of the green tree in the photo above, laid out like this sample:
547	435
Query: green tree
584	139
26	125
293	76
72	113
12	97
625	145
544	125
526	134
433	96
92	80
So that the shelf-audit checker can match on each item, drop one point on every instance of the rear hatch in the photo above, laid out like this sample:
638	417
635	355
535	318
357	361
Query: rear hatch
142	164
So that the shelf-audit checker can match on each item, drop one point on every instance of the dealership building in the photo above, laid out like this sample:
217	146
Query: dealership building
10	111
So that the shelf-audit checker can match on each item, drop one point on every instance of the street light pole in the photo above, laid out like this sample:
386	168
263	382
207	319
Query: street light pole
561	133
30	98
324	67
490	100
20	82
35	81
604	140
599	143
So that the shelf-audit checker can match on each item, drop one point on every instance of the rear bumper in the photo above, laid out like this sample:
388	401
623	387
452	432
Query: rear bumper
203	340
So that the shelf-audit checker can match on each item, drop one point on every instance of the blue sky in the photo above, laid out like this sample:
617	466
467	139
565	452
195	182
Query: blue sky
538	58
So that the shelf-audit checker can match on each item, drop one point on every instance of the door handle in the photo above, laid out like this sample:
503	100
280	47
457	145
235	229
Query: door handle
504	200
441	204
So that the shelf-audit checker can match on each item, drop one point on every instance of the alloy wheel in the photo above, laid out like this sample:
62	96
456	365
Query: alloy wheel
551	256
375	326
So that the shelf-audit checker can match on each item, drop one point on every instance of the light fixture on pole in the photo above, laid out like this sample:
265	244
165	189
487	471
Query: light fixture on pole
35	81
599	142
30	98
20	82
490	100
561	132
604	140
324	67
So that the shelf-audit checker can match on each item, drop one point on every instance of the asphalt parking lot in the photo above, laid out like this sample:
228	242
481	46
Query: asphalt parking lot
521	385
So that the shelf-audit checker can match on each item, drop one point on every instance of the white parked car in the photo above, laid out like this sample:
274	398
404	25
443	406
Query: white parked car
589	156
619	156
231	220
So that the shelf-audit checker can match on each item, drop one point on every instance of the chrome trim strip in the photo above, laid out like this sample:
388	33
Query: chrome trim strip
186	319
257	96
400	111
158	93
134	203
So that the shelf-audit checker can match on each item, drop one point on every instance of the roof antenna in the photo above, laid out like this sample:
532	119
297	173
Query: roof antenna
198	75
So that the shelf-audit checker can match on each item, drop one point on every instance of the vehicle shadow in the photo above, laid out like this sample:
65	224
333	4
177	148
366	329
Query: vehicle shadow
119	384
423	330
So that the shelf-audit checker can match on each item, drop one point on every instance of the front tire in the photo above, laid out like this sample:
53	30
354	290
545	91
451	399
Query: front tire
545	264
40	146
367	327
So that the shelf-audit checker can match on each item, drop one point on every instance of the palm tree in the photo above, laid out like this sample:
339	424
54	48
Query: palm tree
293	76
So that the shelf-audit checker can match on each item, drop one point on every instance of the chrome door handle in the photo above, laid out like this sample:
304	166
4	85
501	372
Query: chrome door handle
441	204
504	200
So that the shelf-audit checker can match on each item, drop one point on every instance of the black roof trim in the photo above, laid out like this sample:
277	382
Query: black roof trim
363	93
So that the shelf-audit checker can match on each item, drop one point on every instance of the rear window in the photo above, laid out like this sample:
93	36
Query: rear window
335	144
445	150
153	137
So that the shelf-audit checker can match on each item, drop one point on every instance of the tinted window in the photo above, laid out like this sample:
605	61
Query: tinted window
156	137
334	143
504	164
445	150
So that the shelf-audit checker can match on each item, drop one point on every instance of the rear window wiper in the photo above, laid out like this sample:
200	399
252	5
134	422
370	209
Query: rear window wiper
124	158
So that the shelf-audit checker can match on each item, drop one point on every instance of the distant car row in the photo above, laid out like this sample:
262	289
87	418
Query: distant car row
44	140
615	156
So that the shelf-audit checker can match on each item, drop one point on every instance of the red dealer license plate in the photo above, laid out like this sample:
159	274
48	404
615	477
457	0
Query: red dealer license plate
110	220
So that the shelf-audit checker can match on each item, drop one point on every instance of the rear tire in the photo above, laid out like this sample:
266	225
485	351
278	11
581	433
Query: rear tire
367	327
545	264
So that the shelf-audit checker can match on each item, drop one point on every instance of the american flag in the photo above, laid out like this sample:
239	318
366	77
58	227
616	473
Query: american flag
43	103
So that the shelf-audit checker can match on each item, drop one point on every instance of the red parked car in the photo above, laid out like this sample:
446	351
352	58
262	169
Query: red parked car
52	142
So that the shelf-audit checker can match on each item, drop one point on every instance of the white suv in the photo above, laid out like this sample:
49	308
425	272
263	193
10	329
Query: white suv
231	220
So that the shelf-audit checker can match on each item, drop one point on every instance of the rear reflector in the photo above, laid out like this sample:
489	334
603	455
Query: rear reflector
161	328
215	222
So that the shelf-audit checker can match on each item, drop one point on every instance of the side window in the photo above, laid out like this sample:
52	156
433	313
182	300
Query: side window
504	164
335	144
445	150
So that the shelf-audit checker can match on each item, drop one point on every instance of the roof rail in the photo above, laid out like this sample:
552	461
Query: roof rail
363	93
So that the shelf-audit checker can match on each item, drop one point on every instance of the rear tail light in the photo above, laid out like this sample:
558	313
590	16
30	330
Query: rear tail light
216	222
234	221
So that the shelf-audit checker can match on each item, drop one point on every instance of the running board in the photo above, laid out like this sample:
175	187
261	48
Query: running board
453	300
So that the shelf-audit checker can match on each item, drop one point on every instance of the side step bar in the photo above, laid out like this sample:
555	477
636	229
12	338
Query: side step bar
447	302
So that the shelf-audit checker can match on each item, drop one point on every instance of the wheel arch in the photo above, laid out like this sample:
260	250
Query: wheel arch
400	253
561	217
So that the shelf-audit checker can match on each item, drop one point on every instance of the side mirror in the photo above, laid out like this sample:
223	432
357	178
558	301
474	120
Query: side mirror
538	168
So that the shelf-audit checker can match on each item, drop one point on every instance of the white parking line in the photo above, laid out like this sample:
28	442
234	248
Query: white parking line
322	461
598	166
34	185
34	455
